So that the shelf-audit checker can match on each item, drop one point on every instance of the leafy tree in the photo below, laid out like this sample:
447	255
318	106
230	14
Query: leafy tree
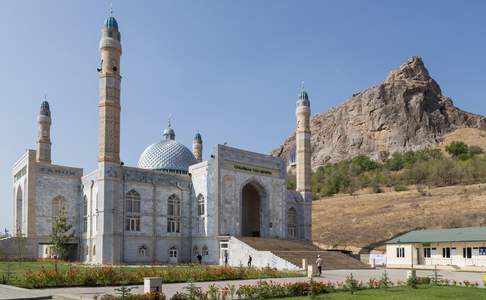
457	149
291	182
395	163
61	235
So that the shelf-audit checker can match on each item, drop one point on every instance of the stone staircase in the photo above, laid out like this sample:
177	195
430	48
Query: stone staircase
294	251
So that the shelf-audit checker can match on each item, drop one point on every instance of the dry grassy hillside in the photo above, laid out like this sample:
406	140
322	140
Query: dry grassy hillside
365	221
469	136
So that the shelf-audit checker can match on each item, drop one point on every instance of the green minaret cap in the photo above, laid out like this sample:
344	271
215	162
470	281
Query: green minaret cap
44	109
303	99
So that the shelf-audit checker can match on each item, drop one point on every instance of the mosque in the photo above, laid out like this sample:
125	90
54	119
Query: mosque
169	208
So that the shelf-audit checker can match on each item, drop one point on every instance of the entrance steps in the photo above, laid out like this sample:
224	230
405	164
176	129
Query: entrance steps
294	251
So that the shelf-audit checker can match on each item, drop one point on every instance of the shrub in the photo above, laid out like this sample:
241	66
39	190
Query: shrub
457	149
412	280
351	284
385	281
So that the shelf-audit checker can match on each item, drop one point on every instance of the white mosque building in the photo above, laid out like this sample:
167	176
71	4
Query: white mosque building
172	205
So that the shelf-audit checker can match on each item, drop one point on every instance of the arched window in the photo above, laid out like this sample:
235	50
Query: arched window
200	205
85	214
86	250
57	205
132	211
94	250
173	252
173	214
205	251
195	251
292	223
143	251
19	208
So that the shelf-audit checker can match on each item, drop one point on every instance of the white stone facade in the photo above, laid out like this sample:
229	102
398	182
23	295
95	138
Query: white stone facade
123	214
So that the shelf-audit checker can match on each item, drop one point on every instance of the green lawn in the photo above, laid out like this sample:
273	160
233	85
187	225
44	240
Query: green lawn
404	293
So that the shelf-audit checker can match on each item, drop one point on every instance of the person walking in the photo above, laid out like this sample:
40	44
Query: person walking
199	258
225	258
319	264
249	261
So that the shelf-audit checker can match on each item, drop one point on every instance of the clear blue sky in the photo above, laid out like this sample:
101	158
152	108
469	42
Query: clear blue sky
230	69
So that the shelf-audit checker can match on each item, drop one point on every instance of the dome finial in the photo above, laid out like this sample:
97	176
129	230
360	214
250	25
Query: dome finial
111	8
302	86
169	133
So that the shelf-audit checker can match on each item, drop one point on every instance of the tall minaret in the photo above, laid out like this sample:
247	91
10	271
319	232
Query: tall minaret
197	147
303	146
43	153
303	163
109	214
109	102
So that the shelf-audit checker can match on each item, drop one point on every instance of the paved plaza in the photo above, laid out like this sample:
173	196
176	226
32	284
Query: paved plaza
8	292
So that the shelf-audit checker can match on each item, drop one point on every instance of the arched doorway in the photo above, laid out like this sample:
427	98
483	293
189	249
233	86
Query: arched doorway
250	210
292	223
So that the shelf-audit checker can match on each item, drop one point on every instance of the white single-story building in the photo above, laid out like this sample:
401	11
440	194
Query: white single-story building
457	248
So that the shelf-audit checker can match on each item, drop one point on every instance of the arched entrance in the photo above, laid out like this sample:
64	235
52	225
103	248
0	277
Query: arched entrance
251	197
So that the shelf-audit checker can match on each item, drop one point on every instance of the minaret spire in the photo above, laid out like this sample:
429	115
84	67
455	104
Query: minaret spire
197	146
43	153
303	158
109	98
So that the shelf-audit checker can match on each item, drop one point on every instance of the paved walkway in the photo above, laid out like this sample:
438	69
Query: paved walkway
8	292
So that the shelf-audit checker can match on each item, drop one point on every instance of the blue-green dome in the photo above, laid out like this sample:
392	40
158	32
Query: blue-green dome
167	156
111	22
303	99
44	109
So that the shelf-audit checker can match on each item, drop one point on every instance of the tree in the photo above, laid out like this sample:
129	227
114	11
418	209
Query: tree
20	241
457	149
61	235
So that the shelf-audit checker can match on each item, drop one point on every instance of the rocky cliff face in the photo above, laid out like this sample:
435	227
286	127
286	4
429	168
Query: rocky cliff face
406	112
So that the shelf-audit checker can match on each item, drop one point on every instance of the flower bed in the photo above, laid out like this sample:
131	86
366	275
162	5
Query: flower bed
105	276
270	289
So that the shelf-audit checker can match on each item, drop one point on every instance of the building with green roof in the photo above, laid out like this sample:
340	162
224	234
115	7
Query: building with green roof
455	248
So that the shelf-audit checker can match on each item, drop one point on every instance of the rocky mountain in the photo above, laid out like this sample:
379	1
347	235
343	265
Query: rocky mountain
406	112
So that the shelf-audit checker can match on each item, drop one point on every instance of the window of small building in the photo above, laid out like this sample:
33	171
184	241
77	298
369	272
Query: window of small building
173	214
195	250
482	251
427	252
400	252
446	252
205	251
467	252
132	208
